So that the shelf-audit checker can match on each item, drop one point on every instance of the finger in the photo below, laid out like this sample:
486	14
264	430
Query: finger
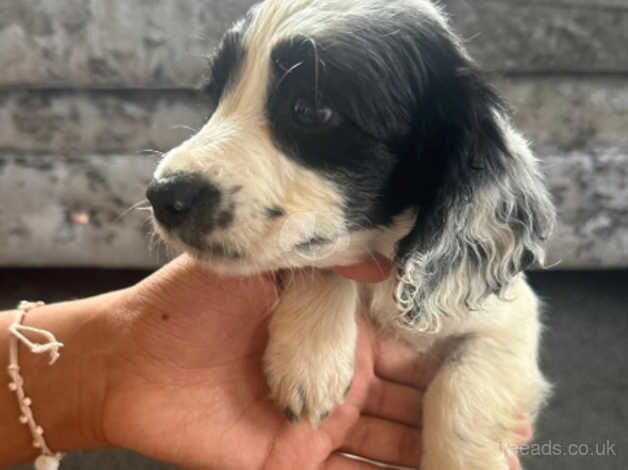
397	362
394	402
340	462
526	434
514	463
526	431
352	462
373	270
384	441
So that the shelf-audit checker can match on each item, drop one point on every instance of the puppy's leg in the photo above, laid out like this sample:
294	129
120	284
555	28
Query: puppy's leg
471	409
309	361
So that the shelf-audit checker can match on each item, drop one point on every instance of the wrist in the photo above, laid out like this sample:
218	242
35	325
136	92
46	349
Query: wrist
67	397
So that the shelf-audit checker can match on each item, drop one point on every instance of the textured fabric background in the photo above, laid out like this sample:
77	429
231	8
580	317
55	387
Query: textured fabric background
87	85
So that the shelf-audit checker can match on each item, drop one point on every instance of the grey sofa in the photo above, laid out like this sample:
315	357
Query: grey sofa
92	90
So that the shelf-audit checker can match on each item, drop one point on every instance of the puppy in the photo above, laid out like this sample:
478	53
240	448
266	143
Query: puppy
343	128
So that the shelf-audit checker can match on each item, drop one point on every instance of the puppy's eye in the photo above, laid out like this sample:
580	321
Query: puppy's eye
309	116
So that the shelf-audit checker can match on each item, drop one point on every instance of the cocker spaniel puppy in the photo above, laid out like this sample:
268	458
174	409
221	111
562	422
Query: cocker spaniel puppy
343	128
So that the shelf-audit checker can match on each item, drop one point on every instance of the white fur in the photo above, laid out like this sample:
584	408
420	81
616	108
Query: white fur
489	375
309	362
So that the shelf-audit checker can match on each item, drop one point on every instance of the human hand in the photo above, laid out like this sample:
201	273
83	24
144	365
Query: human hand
171	368
186	385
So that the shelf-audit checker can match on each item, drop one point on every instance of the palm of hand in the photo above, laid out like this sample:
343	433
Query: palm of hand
187	386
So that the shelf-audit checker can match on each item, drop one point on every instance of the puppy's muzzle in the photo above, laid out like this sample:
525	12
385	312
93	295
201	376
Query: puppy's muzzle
182	199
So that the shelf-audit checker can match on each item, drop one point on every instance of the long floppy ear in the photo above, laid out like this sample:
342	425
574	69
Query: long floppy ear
487	212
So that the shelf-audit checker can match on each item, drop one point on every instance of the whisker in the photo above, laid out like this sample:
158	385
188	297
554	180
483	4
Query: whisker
156	246
316	73
553	265
287	73
159	153
471	38
186	128
198	56
137	206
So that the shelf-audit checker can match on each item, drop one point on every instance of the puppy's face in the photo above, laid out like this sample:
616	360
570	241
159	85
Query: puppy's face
299	163
342	127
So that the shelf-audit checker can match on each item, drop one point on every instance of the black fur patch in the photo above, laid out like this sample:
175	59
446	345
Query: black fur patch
346	152
419	127
225	64
407	99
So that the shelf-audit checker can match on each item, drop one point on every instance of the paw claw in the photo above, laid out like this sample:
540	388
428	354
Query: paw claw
348	390
291	415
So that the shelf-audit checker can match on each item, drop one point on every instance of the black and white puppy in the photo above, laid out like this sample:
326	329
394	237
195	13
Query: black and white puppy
344	128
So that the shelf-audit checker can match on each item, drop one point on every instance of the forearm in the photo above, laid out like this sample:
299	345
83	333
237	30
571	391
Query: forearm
67	397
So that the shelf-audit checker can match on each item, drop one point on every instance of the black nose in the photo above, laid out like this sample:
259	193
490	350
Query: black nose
176	199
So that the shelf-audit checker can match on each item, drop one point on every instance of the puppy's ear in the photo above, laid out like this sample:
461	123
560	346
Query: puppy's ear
484	212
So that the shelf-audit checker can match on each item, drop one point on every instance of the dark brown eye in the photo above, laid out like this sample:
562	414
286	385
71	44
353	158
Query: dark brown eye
307	115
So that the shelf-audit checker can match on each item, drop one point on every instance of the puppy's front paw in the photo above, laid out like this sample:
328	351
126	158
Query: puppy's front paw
307	386
311	350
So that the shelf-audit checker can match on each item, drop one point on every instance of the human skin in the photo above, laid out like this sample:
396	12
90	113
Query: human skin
171	368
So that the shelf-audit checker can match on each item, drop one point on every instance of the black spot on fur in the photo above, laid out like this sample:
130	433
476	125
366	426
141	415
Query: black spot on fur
221	251
225	219
313	242
290	415
275	212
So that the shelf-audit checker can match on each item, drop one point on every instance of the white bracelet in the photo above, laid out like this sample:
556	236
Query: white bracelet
48	460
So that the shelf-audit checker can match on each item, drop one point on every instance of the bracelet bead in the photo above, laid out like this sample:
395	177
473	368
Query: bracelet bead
47	462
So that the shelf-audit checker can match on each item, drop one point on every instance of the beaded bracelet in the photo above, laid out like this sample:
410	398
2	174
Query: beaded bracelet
48	460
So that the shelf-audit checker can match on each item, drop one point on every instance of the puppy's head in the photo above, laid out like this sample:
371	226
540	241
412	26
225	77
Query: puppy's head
334	120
